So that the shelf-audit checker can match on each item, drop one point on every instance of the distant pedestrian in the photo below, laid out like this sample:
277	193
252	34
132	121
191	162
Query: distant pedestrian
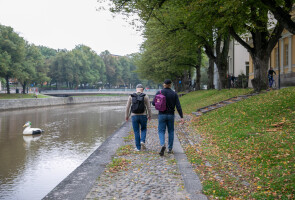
233	81
166	117
270	76
138	106
229	81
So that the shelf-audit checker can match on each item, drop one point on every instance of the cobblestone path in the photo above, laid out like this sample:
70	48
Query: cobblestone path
147	176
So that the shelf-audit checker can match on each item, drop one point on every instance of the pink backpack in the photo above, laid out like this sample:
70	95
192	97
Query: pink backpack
160	102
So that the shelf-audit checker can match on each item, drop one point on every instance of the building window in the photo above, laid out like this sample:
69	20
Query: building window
286	54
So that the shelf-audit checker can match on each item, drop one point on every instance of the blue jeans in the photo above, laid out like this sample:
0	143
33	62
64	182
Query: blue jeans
139	120
166	121
270	80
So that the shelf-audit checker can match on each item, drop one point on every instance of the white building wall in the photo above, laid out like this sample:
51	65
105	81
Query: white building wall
241	58
238	56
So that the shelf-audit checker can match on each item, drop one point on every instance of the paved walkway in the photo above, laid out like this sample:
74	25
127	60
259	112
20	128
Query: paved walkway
148	175
223	103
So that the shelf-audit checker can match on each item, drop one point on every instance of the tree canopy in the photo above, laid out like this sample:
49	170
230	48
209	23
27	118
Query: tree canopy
208	24
80	67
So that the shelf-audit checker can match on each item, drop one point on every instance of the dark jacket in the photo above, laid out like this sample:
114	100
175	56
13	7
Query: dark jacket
172	101
271	72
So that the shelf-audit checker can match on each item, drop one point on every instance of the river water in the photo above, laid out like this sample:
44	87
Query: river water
30	167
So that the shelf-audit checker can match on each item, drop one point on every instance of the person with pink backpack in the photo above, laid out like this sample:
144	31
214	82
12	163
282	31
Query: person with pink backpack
165	102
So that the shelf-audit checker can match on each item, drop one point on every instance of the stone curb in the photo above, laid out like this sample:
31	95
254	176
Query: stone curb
192	182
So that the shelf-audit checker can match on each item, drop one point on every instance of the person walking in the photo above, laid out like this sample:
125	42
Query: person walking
138	107
270	76
166	117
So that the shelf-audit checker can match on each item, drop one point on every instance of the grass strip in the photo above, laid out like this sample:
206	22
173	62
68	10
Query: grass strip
118	164
101	95
22	96
247	151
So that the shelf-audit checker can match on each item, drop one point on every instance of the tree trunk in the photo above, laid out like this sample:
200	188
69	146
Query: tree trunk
185	81
260	73
222	67
198	77
198	69
221	49
7	84
221	59
176	85
210	72
24	87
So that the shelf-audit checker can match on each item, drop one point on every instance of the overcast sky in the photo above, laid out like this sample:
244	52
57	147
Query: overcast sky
63	24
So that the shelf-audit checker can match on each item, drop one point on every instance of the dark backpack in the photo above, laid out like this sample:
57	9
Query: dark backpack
137	105
160	102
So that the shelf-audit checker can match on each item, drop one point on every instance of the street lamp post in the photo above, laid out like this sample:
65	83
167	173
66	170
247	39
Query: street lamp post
279	64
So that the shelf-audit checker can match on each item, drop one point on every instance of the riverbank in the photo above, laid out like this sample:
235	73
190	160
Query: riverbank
12	104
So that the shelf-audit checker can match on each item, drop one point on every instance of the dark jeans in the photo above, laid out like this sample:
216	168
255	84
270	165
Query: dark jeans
270	80
166	121
139	121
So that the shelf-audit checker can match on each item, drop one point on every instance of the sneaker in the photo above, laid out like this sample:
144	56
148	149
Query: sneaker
142	145
162	151
170	151
136	149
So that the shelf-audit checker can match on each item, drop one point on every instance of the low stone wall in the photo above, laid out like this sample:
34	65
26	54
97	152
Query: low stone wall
11	104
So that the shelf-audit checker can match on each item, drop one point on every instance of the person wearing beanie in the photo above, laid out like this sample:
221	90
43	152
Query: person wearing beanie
138	107
166	118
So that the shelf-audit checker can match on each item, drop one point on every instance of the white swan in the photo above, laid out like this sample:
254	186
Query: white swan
31	131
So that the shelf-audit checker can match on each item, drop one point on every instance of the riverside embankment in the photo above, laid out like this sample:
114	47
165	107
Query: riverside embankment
11	104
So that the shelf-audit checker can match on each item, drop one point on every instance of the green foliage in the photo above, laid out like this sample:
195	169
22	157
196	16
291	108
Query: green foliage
12	53
174	28
32	66
168	50
47	52
174	32
113	68
80	67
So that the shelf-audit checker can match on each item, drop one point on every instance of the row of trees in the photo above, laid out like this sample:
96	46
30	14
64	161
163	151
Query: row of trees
177	32
31	64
